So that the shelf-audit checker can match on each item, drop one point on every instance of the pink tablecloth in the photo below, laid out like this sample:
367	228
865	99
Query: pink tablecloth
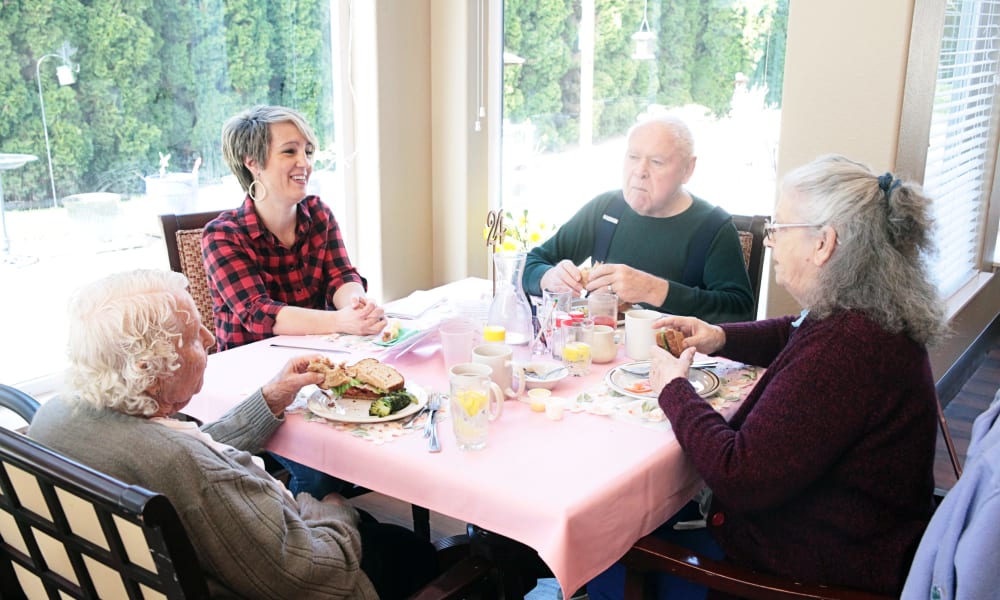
579	491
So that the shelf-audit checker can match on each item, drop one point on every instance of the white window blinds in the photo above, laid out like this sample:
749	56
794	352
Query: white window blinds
960	148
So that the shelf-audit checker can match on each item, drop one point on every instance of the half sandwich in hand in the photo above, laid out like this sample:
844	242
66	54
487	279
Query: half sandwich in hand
367	379
671	340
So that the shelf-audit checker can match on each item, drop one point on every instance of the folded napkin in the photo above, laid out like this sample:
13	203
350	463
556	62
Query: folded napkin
413	306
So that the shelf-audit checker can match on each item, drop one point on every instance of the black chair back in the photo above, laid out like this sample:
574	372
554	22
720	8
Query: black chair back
69	531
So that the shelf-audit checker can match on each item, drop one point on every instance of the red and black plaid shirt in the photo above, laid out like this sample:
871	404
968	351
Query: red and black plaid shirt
252	275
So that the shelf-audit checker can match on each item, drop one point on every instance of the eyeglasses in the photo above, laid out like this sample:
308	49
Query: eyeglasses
770	228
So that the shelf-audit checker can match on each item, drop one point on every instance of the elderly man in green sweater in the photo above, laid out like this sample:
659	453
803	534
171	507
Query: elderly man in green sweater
651	242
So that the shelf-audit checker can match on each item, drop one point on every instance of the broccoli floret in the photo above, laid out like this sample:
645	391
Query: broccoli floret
381	407
391	403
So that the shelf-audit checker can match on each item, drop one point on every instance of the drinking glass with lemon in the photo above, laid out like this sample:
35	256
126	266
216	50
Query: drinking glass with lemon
576	357
475	401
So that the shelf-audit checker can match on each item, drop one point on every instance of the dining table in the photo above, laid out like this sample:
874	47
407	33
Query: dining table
579	490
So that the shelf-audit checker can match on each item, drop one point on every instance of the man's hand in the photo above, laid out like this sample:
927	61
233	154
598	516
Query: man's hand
563	273
631	285
281	391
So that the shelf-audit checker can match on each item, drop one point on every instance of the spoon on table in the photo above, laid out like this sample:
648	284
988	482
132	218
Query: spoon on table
545	376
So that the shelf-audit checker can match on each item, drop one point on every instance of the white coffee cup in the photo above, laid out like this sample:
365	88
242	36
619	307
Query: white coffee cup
604	344
639	333
499	357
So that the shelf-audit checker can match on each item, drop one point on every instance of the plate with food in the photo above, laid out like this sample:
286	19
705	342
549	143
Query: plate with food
369	391
394	334
632	379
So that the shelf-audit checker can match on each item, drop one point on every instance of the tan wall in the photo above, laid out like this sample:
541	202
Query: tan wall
844	84
843	89
404	109
421	180
459	152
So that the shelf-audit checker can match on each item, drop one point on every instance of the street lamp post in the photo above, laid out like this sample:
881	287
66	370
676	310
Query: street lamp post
64	73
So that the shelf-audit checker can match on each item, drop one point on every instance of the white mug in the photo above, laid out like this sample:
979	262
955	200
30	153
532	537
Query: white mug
499	357
604	344
639	333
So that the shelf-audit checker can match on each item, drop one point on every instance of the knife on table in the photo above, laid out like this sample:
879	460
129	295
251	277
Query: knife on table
310	348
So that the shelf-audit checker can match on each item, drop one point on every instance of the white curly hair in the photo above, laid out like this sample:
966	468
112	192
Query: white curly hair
124	335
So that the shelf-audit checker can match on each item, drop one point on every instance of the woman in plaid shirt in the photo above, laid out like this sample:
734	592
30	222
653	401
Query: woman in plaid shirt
277	265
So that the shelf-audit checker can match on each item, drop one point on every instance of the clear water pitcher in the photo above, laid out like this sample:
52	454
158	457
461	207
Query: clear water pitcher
510	308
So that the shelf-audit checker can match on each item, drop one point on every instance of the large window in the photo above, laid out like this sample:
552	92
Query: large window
134	96
577	75
963	138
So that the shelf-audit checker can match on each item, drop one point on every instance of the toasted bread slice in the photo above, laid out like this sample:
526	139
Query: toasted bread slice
671	340
370	378
378	375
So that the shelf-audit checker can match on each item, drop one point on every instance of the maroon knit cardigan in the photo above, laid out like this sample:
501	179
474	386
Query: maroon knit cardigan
825	474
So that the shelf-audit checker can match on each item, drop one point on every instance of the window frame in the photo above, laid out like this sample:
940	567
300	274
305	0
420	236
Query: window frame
914	133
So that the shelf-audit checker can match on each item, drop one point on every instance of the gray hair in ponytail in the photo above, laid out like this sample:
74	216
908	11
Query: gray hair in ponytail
884	238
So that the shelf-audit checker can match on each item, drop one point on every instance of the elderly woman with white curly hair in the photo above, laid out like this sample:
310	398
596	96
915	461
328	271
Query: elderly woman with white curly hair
825	473
137	351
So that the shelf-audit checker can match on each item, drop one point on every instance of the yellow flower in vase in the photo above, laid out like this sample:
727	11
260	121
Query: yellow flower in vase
521	234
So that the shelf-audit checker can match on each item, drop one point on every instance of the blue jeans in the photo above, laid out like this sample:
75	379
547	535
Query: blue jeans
610	585
306	479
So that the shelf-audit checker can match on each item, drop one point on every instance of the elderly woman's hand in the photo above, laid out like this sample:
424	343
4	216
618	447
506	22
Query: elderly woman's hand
281	391
664	368
704	337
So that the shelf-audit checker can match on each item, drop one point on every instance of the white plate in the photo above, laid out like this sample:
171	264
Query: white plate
705	382
356	411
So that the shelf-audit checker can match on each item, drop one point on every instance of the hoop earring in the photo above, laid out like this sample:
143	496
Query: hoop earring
251	194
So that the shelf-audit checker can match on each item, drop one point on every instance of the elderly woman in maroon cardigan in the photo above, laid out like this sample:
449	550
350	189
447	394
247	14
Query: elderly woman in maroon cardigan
825	474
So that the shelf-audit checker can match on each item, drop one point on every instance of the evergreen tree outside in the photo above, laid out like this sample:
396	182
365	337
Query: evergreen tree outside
155	77
701	46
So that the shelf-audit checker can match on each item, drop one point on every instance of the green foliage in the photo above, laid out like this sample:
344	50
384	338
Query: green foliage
544	39
154	77
770	52
719	56
164	76
701	45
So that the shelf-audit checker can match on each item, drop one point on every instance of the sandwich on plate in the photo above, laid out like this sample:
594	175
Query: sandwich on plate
367	379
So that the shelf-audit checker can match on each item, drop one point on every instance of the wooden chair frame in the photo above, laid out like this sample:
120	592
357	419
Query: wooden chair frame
175	229
754	225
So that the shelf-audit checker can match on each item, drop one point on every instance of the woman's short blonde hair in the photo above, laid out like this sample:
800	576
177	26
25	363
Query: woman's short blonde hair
124	335
248	135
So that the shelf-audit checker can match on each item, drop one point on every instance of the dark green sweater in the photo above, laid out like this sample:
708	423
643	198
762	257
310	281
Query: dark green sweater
658	246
